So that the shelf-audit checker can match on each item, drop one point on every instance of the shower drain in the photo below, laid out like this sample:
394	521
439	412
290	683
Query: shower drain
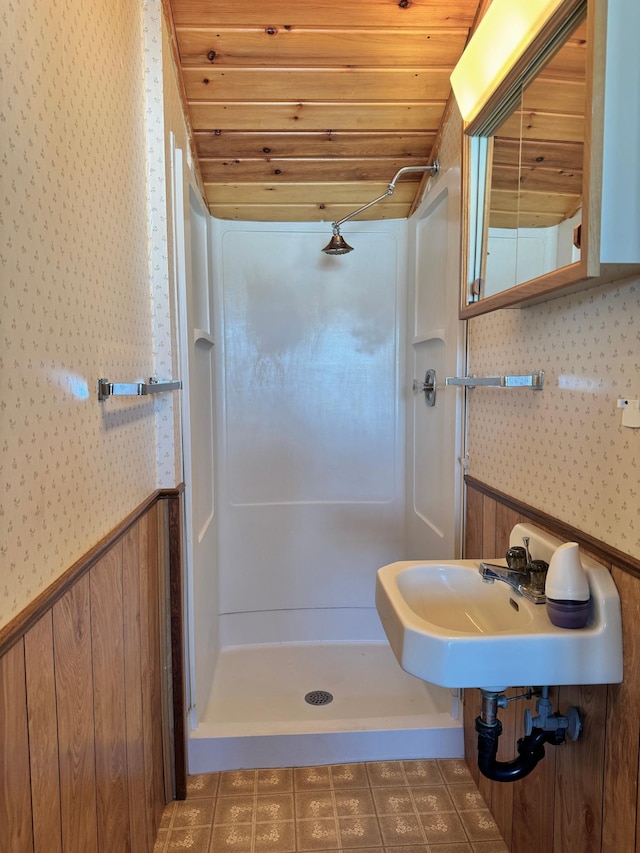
318	697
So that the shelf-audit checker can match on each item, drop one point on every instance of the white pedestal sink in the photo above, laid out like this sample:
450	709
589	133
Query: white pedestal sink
446	626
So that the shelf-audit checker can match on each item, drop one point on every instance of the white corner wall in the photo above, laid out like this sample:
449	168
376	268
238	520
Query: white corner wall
311	384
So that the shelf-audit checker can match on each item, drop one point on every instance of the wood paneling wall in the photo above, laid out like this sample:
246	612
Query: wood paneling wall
81	731
583	796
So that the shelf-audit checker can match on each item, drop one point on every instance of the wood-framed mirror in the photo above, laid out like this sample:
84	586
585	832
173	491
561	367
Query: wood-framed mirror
533	170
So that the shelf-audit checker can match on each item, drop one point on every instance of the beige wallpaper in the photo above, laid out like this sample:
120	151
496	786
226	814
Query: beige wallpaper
75	288
563	450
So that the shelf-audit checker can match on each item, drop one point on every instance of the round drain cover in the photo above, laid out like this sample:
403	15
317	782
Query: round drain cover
318	697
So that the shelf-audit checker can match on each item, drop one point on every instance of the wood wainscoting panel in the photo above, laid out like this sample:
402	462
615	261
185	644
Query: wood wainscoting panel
107	641
506	519
74	699
621	783
43	736
501	793
489	548
15	794
151	656
580	771
533	798
82	711
473	524
136	771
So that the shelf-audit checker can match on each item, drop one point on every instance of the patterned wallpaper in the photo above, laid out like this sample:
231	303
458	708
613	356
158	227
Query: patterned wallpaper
165	116
75	296
563	450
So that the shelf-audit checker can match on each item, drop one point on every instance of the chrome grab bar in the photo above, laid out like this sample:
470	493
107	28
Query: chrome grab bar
534	380
135	389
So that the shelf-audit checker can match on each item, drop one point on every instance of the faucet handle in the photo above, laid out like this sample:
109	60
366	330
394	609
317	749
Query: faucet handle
517	558
538	574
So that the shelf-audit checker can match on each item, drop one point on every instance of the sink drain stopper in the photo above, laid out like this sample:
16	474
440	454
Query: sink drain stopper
318	697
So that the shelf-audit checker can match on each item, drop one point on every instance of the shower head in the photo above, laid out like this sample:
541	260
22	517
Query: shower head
337	245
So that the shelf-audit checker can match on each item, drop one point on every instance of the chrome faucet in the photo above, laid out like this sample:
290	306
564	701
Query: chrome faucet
524	575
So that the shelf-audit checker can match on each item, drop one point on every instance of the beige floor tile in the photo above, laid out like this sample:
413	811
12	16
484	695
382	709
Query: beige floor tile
460	847
167	815
232	838
276	780
311	779
435	798
203	785
161	840
391	801
401	829
466	797
349	776
274	807
385	774
320	834
443	827
454	770
197	812
357	832
231	810
236	782
275	837
195	840
413	848
373	850
354	802
480	825
312	805
422	773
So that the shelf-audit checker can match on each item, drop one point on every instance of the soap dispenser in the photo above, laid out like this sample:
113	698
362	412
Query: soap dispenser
567	588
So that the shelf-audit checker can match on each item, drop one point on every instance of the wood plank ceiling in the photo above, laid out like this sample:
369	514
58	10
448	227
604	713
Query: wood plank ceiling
304	111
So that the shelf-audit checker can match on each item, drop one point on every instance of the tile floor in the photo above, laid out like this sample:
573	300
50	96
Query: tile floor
377	807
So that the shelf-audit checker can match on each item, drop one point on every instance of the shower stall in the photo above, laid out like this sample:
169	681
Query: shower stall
310	462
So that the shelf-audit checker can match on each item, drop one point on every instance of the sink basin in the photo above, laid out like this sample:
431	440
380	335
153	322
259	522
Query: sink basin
447	626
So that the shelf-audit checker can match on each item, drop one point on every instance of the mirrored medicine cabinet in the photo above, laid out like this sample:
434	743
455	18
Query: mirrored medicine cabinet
551	165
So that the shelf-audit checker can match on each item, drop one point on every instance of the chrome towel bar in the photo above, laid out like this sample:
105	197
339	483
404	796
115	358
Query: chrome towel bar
534	380
135	389
429	385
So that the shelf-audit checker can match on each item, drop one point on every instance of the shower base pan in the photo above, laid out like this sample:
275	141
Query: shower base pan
359	706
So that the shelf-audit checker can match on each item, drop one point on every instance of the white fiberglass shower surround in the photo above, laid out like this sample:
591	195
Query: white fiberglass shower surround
327	466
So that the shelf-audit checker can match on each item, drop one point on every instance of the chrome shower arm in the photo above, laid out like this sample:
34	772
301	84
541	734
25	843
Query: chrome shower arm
390	191
405	169
364	207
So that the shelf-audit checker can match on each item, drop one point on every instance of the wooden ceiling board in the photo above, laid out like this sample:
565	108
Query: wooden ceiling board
354	194
384	14
306	213
319	48
536	153
540	180
313	144
508	219
282	117
301	170
318	84
551	127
